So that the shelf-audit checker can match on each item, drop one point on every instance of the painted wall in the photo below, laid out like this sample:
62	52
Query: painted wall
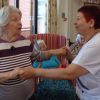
69	7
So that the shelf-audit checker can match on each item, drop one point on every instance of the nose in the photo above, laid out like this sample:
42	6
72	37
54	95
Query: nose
20	23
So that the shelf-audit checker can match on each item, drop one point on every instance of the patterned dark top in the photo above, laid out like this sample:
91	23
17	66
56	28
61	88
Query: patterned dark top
12	55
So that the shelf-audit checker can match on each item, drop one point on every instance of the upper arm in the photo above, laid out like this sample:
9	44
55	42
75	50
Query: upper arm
89	58
74	71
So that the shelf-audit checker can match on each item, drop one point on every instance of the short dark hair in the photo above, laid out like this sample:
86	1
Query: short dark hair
91	12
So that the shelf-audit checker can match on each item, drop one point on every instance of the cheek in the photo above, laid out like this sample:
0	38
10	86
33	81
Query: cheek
12	26
81	25
84	26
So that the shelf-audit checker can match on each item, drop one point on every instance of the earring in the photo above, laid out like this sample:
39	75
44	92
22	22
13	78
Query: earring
91	26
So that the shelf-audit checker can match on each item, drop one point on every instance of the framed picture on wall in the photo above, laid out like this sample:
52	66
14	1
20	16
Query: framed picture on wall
96	4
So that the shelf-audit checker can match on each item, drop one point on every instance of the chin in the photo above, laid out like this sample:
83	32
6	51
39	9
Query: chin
18	33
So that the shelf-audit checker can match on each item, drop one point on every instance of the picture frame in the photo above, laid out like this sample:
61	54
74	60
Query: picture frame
95	4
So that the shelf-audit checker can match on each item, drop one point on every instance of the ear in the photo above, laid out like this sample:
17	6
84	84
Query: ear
91	23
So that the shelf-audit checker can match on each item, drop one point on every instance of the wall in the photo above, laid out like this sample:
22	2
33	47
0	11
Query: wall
76	4
62	25
69	7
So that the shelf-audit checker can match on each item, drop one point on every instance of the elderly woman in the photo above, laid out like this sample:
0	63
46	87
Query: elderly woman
86	66
15	52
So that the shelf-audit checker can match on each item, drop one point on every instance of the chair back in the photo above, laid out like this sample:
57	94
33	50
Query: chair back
53	41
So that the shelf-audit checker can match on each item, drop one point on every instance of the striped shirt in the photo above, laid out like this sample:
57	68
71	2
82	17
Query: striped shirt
13	55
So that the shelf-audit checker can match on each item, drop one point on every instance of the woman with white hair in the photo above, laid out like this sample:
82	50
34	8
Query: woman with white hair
15	52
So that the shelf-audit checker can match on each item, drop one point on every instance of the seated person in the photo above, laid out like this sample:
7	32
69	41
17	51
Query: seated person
51	62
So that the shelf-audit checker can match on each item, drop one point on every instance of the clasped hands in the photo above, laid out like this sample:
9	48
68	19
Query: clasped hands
24	73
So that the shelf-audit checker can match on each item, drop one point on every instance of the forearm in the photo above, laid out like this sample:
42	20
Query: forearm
59	74
49	53
55	52
71	72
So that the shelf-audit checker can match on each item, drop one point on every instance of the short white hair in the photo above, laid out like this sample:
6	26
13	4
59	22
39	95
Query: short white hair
5	15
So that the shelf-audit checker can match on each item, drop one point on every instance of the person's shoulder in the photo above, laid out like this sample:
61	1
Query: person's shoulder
95	41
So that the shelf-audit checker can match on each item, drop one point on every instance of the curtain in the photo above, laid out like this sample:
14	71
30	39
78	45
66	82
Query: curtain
52	16
0	3
3	2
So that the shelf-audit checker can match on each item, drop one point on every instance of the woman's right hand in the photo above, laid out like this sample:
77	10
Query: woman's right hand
61	51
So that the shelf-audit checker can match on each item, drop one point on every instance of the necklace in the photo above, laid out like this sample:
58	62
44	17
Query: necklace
96	32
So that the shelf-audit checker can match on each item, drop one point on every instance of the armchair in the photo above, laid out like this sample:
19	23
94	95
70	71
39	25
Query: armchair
53	41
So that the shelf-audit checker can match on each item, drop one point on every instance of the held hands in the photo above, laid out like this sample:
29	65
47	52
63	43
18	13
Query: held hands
63	51
23	73
13	74
26	73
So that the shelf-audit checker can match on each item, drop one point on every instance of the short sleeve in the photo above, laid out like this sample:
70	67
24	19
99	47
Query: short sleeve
89	58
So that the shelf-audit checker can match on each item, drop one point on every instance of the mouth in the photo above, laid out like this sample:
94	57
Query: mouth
19	28
76	27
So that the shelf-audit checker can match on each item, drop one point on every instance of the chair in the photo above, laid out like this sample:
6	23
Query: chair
49	89
53	41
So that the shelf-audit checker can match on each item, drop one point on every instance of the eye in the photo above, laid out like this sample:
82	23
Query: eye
15	19
78	18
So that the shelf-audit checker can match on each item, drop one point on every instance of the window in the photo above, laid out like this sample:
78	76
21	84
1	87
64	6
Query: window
42	16
25	7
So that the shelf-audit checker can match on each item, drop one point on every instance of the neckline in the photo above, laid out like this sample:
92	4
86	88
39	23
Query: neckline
2	40
95	33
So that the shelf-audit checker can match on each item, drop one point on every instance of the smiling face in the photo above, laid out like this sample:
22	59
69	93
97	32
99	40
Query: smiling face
14	26
81	24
